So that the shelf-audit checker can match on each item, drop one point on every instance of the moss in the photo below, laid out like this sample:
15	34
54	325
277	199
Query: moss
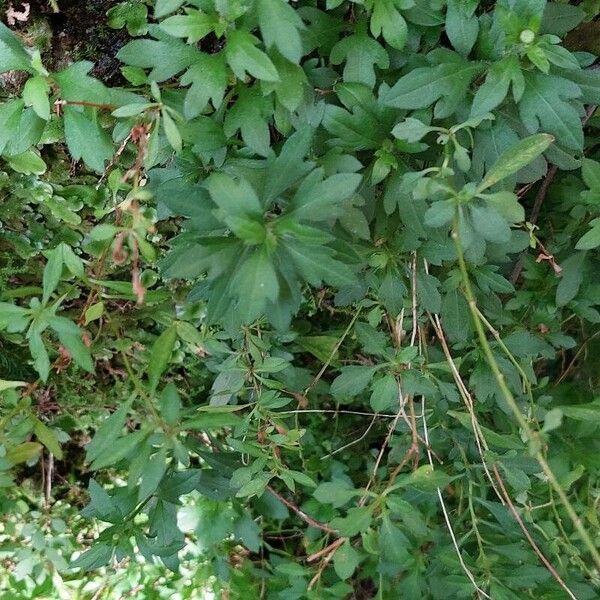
77	31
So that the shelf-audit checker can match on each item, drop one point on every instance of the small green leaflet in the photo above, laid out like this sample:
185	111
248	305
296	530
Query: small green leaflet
592	238
515	158
160	356
194	25
9	385
47	436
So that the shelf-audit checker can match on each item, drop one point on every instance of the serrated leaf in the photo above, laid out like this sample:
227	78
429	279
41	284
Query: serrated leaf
280	26
194	25
243	57
352	381
86	139
546	104
445	84
35	94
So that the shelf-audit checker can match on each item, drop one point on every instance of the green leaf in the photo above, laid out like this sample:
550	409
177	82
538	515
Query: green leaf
455	316
345	561
445	84
385	395
248	116
94	312
172	132
361	54
28	162
386	19
108	432
426	479
69	335
358	519
489	224
13	56
166	58
546	104
86	139
243	57
208	79
411	130
592	238
462	27
428	292
515	158
495	87
47	437
280	26
590	171
571	278
352	381
121	448
9	385
164	7
194	25
23	452
589	412
75	84
170	404
41	360
52	272
35	94
234	198
160	356
152	474
394	545
317	200
131	14
254	284
255	487
559	18
337	492
288	167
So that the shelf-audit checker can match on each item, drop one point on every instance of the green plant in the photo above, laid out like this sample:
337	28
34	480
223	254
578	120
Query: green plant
323	293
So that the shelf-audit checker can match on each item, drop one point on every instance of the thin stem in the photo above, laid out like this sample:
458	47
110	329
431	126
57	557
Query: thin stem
333	352
139	388
306	518
532	436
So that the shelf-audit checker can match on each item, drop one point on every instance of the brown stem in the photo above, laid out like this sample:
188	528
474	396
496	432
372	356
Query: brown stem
526	533
306	518
98	105
535	213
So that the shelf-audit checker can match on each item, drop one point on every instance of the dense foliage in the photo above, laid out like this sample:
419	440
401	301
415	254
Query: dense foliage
302	302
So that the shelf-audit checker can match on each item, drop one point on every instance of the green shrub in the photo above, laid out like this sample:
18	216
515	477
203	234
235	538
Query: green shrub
312	311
